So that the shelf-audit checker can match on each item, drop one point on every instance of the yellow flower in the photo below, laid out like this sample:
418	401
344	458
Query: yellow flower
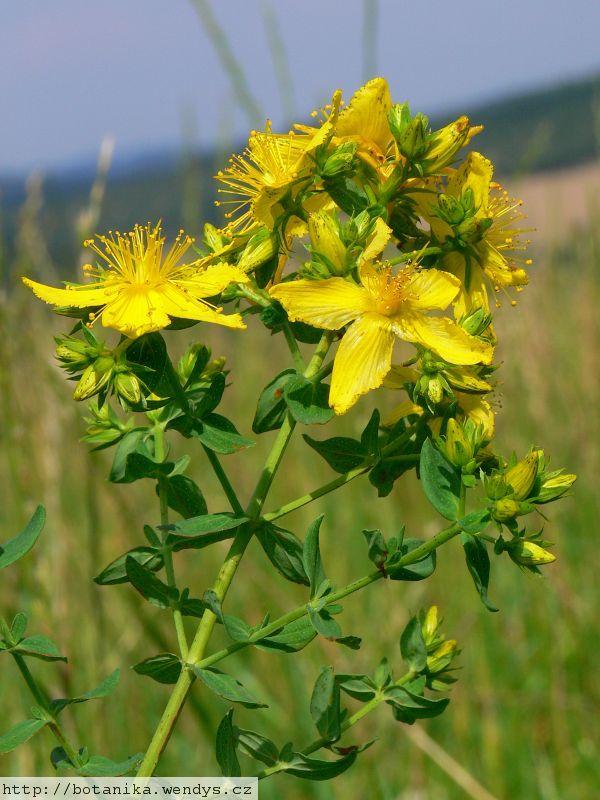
137	289
489	227
271	165
381	308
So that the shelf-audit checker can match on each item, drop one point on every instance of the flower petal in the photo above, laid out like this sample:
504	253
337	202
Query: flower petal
479	411
399	375
83	296
135	311
475	173
178	303
329	304
366	115
377	241
432	289
362	361
443	336
210	281
404	409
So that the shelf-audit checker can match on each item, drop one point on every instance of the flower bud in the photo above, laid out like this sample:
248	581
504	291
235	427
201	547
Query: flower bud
340	160
325	240
441	658
213	237
128	388
553	486
477	322
430	624
505	509
260	248
528	554
94	378
457	446
522	476
445	144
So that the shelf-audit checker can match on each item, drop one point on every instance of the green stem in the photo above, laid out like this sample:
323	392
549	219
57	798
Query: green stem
360	583
294	349
42	701
225	577
346	477
352	720
224	480
160	455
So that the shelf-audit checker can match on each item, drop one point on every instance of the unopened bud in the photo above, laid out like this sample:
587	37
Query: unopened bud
528	554
260	248
94	378
441	658
522	476
555	485
340	161
324	232
430	624
457	446
505	509
127	386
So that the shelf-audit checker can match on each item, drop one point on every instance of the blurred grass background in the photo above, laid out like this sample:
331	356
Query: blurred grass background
524	715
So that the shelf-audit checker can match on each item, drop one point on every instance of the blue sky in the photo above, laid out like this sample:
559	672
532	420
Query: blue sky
73	71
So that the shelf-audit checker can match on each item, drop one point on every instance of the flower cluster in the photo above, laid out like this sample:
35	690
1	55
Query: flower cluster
368	232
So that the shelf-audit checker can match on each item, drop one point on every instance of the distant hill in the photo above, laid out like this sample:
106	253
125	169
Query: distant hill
546	129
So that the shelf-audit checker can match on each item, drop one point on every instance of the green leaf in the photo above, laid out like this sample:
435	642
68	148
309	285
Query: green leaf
341	453
324	623
325	705
207	523
184	496
411	572
236	628
387	471
284	551
311	556
378	549
408	706
412	645
101	767
478	563
116	572
21	732
22	543
441	481
149	586
370	436
293	637
128	445
351	642
19	626
148	356
226	747
106	687
314	769
308	402
257	746
271	408
39	647
220	435
164	668
360	687
227	687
